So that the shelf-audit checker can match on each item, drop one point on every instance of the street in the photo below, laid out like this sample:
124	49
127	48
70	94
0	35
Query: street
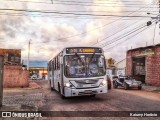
114	100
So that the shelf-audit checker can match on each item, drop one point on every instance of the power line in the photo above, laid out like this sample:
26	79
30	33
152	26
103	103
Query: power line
102	26
117	32
33	11
125	27
80	3
120	37
128	38
60	16
126	34
99	4
67	13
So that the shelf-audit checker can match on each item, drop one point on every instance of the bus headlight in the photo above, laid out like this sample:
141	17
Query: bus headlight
104	82
67	85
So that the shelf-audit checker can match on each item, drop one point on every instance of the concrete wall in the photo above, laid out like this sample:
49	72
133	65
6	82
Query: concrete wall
117	72
120	72
14	76
152	65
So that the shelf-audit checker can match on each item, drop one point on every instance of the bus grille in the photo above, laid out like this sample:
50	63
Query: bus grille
89	81
87	93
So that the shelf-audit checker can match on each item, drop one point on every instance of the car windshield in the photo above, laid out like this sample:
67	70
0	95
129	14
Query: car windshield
84	65
128	78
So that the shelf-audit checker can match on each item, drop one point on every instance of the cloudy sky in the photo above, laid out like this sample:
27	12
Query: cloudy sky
114	25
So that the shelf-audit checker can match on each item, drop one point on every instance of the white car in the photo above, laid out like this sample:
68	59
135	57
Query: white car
127	82
34	77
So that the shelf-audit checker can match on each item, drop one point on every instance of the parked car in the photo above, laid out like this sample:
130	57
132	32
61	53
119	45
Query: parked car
34	77
109	82
114	77
127	82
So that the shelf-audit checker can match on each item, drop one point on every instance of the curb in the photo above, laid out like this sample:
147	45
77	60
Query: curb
151	88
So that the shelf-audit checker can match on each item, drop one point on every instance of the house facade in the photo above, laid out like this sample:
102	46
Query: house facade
144	64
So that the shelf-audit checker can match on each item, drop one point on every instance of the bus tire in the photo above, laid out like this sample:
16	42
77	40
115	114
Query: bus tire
51	86
94	95
52	89
59	90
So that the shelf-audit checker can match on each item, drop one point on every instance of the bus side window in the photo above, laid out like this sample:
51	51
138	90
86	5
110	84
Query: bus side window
52	64
49	66
58	66
55	64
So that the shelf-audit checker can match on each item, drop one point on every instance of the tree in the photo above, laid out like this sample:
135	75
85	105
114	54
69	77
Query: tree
111	62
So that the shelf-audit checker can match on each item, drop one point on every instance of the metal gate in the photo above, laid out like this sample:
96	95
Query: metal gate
1	80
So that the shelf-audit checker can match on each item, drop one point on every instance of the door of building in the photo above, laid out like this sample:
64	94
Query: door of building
139	68
1	80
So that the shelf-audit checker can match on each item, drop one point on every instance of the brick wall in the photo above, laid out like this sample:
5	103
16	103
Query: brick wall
153	68
129	64
14	76
152	65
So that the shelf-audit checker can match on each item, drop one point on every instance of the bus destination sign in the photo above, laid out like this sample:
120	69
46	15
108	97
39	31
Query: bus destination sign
83	50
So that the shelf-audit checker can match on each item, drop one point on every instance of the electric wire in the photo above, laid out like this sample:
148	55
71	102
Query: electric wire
128	38
126	27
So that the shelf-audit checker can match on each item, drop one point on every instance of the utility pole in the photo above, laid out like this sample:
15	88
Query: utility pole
159	9
159	14
28	54
1	79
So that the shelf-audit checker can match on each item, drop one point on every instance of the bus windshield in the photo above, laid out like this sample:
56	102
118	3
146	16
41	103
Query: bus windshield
84	65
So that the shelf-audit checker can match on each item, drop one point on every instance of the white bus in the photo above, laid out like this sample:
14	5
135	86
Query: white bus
78	71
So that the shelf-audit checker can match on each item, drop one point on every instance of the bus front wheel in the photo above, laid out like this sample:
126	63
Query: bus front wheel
94	95
59	90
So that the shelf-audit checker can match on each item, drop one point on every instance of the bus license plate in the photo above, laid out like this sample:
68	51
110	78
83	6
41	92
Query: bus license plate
86	85
88	91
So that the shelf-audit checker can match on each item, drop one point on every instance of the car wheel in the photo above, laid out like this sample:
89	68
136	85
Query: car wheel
140	87
115	85
126	87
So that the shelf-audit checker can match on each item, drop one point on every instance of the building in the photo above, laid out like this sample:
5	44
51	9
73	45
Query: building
11	56
144	64
115	69
121	67
38	69
13	74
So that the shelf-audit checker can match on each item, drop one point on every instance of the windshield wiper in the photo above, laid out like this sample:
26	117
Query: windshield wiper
79	58
91	58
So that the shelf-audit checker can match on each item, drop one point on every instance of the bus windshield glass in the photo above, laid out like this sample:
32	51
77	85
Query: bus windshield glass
84	65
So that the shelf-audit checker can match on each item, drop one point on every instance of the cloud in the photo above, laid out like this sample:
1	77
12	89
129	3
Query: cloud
47	33
58	32
95	29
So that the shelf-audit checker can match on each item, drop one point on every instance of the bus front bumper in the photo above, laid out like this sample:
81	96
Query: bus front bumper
86	91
